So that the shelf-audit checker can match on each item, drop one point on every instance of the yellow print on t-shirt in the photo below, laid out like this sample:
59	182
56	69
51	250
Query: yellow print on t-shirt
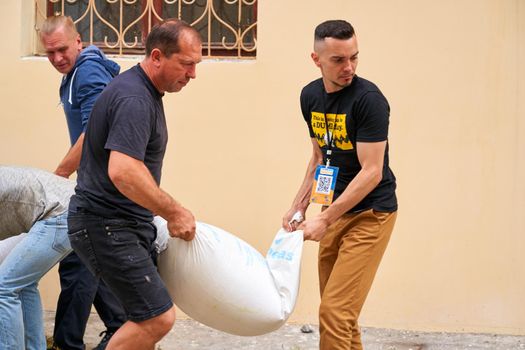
336	128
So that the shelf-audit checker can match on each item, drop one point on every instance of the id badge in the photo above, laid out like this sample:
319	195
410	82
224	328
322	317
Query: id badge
324	184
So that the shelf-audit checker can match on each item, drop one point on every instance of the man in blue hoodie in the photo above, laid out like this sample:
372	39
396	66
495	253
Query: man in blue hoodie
86	73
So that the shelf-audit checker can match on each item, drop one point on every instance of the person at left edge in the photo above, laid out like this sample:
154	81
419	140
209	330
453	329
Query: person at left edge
33	233
86	74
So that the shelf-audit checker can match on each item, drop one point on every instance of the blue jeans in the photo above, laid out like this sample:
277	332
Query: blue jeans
21	320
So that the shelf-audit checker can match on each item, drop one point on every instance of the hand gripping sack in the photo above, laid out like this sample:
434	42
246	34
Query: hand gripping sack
224	283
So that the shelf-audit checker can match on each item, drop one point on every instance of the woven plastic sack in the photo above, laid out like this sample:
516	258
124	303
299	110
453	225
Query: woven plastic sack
224	283
6	245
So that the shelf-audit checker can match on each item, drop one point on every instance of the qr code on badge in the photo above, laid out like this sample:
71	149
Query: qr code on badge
324	183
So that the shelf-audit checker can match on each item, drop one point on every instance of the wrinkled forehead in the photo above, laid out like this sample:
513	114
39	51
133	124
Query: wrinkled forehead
60	34
190	46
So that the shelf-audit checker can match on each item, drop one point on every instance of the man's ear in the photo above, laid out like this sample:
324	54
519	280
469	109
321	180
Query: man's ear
315	58
155	57
79	42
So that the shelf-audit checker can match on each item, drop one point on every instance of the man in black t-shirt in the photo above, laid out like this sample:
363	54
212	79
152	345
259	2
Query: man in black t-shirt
347	117
110	216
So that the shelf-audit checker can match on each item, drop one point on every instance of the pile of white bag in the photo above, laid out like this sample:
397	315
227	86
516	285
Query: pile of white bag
223	282
6	245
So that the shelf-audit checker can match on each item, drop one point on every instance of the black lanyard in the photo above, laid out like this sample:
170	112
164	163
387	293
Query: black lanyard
329	140
329	136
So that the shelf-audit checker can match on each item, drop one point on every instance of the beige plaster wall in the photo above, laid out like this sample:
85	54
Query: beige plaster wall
453	74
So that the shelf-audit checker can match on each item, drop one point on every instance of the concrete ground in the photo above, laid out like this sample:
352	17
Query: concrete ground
188	334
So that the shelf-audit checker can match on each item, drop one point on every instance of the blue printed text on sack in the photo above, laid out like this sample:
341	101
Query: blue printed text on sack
280	254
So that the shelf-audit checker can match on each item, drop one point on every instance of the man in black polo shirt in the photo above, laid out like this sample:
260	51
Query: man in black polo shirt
348	174
110	215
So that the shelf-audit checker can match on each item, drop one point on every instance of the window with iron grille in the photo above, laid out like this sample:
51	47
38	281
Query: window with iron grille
228	27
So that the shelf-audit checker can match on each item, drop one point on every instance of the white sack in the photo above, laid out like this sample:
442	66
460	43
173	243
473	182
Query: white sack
6	245
223	282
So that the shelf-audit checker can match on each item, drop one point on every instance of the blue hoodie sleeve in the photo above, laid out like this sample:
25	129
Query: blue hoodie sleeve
91	79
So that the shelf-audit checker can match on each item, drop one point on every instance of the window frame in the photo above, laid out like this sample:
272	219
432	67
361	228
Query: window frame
150	12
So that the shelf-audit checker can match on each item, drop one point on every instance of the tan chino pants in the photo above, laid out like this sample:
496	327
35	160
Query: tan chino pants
349	255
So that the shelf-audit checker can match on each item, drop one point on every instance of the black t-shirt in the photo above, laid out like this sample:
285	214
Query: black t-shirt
127	117
356	113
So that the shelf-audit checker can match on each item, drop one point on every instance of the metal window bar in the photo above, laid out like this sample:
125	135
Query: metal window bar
228	27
